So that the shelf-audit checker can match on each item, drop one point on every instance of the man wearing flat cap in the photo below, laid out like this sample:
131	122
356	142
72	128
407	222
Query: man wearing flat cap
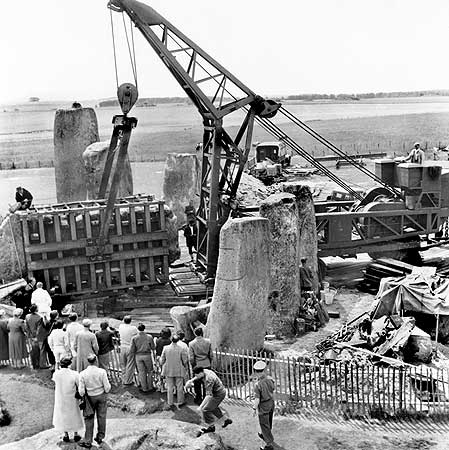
85	344
264	403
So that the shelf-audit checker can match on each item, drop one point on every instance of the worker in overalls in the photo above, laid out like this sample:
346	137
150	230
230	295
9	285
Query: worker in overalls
416	154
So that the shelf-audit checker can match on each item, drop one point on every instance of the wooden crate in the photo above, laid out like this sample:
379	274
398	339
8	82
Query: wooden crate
62	250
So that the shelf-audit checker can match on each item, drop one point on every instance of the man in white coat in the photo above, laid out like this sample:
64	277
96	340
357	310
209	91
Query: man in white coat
42	299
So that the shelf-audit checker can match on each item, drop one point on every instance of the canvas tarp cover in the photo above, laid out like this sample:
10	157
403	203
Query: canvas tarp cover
429	295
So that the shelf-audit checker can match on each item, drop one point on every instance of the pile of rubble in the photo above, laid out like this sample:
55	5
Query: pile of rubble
409	313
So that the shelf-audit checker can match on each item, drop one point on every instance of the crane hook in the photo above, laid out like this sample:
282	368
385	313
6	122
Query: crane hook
127	96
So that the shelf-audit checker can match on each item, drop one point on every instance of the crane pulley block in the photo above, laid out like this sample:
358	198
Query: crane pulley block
127	96
266	109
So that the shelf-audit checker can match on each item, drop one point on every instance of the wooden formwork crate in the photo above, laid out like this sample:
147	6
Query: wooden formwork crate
62	248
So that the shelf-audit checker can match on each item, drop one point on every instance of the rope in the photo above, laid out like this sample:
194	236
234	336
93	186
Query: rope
113	46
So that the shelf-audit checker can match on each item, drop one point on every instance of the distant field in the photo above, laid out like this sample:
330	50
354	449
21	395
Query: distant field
392	134
26	138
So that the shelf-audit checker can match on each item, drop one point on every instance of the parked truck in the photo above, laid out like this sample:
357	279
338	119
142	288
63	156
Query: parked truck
269	160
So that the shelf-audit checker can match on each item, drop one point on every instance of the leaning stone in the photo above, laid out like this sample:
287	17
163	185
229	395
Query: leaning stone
94	158
74	130
181	183
239	314
281	210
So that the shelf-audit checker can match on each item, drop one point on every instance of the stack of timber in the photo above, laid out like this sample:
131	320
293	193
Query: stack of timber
382	268
150	306
344	271
185	282
63	249
439	257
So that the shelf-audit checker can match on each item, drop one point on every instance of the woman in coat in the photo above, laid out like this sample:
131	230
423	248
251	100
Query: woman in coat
17	339
67	416
4	345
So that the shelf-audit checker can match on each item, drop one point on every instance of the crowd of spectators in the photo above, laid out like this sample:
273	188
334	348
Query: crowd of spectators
81	361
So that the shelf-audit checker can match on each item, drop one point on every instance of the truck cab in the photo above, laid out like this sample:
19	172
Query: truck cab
274	151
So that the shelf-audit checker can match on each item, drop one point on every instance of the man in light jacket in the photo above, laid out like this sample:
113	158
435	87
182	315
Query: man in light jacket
174	362
95	385
85	344
127	360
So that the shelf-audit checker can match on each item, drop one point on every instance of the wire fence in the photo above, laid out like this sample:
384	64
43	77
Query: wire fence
363	148
350	387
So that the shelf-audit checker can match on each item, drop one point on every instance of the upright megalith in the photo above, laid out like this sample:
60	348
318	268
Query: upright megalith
74	130
181	183
94	159
307	235
238	316
281	210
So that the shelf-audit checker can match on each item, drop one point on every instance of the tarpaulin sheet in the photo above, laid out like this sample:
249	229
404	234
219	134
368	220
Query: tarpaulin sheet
429	295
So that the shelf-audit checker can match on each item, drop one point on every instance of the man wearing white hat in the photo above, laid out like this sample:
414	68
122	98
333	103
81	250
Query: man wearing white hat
264	403
85	344
416	154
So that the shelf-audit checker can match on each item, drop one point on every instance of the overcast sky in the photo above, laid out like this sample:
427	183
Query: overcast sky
61	49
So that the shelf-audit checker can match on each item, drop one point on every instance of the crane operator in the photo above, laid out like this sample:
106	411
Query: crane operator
416	154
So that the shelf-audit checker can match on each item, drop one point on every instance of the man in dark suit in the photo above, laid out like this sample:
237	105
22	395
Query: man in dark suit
191	235
23	197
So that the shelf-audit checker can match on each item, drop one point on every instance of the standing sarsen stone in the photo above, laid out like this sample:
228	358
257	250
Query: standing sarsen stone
281	210
239	315
74	130
181	183
307	234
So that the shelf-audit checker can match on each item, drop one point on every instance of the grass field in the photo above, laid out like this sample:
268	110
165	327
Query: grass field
386	133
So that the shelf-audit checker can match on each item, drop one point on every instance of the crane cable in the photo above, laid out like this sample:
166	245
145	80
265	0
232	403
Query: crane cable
131	51
334	148
113	47
132	55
